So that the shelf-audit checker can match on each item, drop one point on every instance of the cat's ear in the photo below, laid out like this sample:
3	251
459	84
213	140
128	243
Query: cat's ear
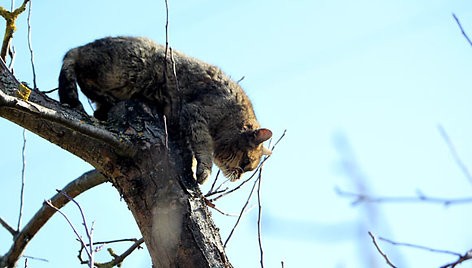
261	135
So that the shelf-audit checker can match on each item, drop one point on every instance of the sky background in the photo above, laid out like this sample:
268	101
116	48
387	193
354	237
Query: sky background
360	86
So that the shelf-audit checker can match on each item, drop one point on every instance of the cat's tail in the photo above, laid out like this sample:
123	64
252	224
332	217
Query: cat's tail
68	81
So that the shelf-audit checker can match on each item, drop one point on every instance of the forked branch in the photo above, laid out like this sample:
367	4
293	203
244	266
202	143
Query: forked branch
73	189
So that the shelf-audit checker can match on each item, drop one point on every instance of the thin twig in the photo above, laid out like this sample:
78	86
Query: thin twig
49	203
213	206
240	215
49	91
462	258
454	153
74	188
213	185
30	46
462	29
419	247
380	251
259	217
35	258
166	133
119	259
23	179
241	79
88	231
167	34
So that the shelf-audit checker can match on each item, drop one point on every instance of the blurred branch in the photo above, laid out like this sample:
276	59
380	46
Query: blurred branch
454	153
461	257
462	29
359	198
380	251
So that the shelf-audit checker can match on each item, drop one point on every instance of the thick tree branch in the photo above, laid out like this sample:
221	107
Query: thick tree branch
73	189
155	180
64	127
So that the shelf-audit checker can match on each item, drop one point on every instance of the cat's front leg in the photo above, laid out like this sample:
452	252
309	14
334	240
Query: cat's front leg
196	128
201	144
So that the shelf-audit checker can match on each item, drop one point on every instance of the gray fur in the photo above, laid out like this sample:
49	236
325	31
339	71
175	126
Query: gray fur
212	111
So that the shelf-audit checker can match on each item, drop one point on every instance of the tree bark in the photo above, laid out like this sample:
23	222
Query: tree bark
149	165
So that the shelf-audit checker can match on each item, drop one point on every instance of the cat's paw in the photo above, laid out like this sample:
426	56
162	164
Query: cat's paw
202	174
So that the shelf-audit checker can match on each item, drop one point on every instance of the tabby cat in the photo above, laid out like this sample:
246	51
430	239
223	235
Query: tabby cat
214	113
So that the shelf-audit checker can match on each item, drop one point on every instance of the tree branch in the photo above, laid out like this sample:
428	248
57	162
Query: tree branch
117	259
461	257
64	127
359	198
10	18
76	187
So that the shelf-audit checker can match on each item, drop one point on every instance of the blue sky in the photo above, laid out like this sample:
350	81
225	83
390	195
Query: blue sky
379	76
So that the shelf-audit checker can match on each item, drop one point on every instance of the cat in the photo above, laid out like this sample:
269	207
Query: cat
213	112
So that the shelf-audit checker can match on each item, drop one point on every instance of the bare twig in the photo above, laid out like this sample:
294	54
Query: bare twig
49	203
167	33
213	206
259	217
23	179
240	79
240	215
30	46
454	153
380	251
419	247
76	187
50	91
119	258
359	198
8	227
213	185
88	231
35	258
462	29
462	258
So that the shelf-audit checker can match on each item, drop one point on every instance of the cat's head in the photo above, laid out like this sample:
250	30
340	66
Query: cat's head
243	154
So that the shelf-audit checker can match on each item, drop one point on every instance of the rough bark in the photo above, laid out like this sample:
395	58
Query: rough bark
148	166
